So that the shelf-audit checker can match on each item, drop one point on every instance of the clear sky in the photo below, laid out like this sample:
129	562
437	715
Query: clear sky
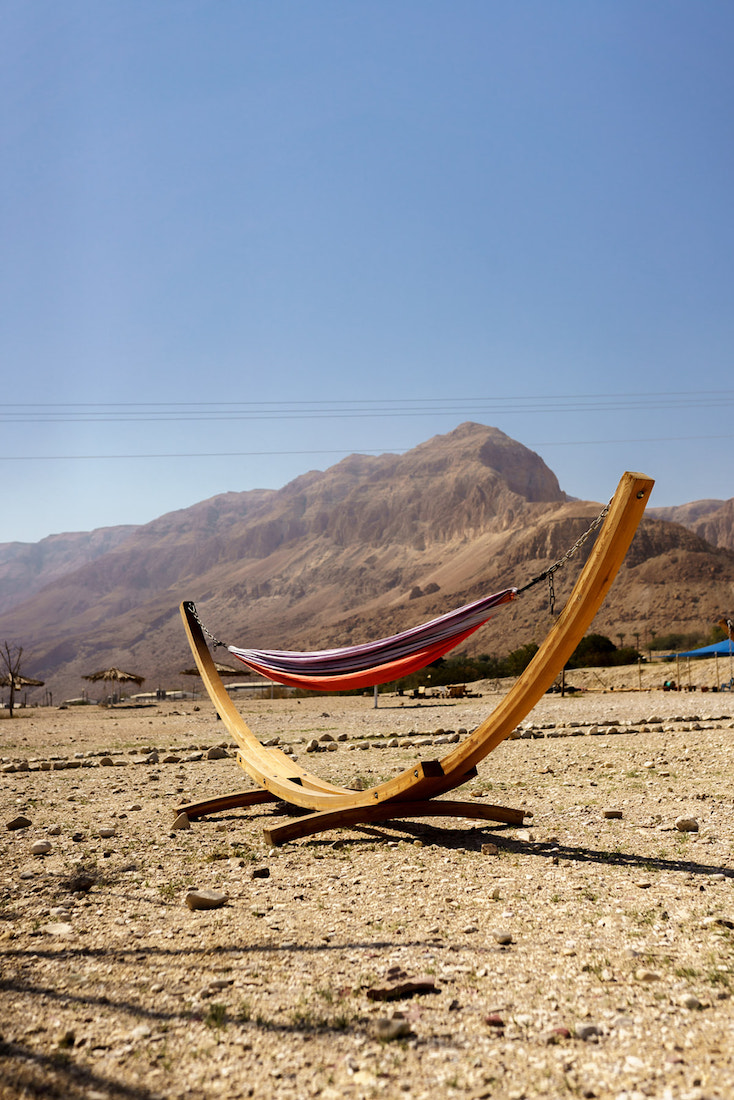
242	239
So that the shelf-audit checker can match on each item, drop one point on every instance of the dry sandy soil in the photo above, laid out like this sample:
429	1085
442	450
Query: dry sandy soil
587	956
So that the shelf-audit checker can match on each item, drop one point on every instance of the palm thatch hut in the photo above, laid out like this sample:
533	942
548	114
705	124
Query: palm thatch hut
114	675
17	683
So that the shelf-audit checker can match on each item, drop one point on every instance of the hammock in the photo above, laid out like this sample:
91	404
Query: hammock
376	662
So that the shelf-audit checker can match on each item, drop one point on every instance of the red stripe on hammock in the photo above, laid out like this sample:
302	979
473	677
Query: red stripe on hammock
380	674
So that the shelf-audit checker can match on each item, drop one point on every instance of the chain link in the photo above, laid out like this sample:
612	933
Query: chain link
548	573
191	608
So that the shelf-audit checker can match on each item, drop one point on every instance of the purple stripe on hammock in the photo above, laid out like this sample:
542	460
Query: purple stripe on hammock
368	654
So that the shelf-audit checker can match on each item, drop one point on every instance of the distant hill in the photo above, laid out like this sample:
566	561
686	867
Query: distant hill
364	548
26	567
713	520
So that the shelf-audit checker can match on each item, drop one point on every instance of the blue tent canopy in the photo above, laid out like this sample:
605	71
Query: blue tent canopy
724	649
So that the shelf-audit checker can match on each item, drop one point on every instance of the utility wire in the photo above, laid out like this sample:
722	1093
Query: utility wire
159	412
353	450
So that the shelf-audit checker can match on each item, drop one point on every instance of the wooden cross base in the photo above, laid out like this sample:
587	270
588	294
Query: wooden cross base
324	820
225	802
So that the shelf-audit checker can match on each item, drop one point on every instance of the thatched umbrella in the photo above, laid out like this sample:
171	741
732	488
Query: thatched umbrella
116	675
17	683
223	670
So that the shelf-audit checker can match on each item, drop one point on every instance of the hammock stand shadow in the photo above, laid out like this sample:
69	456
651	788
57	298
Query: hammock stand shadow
415	792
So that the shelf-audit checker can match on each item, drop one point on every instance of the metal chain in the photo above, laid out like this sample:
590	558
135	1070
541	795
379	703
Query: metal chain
548	573
191	607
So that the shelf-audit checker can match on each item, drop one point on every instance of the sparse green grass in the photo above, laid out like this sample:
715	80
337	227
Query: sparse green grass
685	972
217	854
216	1015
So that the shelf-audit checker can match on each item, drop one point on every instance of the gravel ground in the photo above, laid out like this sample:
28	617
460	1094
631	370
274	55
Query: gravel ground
582	955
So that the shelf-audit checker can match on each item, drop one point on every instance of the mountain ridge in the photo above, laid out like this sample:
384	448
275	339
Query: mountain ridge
362	549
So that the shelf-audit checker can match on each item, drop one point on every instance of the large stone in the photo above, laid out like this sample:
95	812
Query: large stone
216	752
57	928
502	937
400	988
205	899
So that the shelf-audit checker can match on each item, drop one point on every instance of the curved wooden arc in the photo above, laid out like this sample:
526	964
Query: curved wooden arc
388	811
286	780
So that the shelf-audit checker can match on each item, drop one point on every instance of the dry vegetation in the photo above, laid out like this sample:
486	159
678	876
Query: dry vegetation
587	956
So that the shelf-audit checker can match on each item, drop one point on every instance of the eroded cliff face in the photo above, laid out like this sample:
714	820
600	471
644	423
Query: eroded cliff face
366	547
712	520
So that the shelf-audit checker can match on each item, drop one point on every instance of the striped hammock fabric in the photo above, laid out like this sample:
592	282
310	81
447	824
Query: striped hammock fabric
376	662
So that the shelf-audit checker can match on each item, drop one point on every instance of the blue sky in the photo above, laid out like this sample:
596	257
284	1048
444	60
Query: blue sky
243	239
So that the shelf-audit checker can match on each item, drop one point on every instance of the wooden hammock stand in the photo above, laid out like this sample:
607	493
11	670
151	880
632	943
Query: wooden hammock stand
414	793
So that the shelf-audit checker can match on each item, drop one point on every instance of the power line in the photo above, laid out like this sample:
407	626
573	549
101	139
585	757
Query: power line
160	412
353	450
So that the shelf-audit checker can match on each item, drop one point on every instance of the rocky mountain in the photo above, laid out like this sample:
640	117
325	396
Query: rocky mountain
365	548
713	520
26	567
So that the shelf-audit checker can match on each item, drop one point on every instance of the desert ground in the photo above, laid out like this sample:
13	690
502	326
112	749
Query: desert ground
587	953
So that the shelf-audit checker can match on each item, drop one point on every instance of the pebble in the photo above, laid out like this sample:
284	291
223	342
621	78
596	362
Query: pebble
503	938
554	1035
217	753
587	1031
41	847
181	822
19	822
613	815
490	849
205	899
690	1001
58	928
54	830
388	1030
686	824
106	831
647	975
